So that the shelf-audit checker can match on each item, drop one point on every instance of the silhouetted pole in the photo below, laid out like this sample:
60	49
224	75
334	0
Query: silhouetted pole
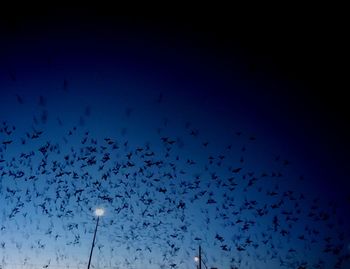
93	241
200	257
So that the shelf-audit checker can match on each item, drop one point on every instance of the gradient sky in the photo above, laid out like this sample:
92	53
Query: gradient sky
189	132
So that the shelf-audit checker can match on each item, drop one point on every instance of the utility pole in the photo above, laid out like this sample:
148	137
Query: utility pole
200	257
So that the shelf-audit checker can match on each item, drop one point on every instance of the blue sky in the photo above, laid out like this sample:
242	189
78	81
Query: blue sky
181	145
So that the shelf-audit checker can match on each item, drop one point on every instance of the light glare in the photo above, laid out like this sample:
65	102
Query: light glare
99	212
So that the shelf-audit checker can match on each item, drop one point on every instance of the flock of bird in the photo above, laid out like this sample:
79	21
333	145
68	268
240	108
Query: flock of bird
162	201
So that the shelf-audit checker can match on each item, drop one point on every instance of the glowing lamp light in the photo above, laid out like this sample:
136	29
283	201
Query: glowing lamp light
196	259
99	212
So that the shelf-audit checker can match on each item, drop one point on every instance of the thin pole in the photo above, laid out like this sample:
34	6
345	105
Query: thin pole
200	257
93	242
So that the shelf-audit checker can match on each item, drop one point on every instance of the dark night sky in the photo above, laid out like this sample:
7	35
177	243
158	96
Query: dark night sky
302	47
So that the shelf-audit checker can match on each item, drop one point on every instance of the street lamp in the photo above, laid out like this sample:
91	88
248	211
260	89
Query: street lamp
99	213
198	259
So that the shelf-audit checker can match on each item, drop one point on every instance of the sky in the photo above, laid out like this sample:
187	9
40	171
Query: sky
189	130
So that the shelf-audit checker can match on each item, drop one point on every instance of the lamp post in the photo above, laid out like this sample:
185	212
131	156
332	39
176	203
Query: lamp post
98	212
198	259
